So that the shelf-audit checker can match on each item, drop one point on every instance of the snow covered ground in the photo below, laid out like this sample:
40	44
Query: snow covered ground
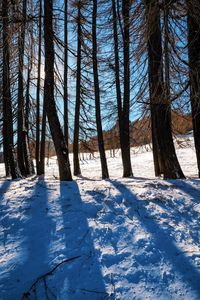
122	239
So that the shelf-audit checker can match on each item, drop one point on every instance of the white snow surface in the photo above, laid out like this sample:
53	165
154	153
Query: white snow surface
135	238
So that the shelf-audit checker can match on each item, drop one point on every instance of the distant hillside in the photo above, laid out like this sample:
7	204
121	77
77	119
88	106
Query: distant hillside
140	134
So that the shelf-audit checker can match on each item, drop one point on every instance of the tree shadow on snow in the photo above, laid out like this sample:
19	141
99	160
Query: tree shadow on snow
182	211
4	187
162	242
53	250
28	242
188	189
83	279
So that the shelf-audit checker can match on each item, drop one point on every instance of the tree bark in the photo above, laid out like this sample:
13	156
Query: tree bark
49	101
37	146
28	160
163	146
66	121
41	165
77	170
127	169
194	70
23	153
9	155
104	167
126	155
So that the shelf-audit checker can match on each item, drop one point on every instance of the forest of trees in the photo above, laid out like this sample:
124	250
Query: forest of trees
70	69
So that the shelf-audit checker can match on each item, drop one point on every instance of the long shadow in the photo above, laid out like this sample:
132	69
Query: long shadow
4	187
84	279
163	242
182	211
174	208
187	188
27	242
39	231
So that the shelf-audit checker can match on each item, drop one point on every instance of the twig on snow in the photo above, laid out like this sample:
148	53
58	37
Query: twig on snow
43	277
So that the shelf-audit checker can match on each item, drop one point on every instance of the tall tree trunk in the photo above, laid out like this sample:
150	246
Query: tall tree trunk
20	112
66	121
160	105
194	70
9	155
127	169
104	167
126	156
117	68
5	83
49	101
28	159
23	154
37	148
40	134
117	79
77	170
41	166
166	51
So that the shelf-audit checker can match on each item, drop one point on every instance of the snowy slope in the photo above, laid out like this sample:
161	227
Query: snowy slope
93	239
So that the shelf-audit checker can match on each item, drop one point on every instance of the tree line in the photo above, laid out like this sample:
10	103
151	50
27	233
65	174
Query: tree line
104	61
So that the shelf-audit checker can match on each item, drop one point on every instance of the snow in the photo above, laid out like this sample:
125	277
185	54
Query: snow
122	239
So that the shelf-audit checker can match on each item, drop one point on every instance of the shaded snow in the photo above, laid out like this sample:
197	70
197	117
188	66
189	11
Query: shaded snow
125	239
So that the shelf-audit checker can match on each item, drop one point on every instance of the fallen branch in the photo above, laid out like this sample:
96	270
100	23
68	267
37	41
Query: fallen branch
43	277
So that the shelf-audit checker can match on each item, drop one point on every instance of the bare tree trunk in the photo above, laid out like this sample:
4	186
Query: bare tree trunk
104	167
156	156
126	156
23	154
66	121
9	155
28	160
194	70
166	51
37	148
162	139
77	170
49	101
40	134
41	167
20	112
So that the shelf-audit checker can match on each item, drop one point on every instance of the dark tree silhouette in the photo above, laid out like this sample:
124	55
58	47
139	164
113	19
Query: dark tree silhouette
77	170
104	167
8	147
50	106
165	158
194	69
